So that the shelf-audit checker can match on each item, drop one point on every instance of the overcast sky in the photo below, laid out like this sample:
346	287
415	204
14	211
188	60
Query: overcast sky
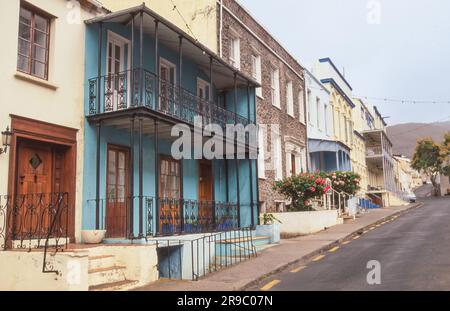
401	53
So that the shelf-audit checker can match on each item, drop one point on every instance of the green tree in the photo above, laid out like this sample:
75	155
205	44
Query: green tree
445	154
428	159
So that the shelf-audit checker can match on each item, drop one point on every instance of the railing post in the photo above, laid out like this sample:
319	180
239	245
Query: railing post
131	86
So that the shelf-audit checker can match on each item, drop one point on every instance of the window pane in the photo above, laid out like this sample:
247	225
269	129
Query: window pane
25	16
40	38
39	54
41	23
22	63
38	69
24	47
24	31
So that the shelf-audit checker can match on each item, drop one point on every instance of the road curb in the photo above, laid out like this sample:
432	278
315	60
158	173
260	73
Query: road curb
329	246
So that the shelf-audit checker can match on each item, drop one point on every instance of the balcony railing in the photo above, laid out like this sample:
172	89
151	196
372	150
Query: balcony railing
28	220
142	88
374	151
174	216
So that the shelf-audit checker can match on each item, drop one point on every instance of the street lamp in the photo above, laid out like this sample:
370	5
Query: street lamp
6	140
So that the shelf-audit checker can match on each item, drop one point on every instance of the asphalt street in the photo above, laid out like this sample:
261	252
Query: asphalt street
410	252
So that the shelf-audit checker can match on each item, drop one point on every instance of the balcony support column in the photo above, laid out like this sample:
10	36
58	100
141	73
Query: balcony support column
157	174
156	65
131	86
97	179
141	168
131	207
141	57
99	66
236	160
250	164
180	60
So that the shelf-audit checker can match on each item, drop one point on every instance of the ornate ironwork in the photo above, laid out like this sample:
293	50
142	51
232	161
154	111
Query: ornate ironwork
30	221
173	100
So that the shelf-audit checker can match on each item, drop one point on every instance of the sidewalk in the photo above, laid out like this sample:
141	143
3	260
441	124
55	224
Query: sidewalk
276	258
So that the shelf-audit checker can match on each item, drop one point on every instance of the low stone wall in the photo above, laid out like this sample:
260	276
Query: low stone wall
22	270
302	223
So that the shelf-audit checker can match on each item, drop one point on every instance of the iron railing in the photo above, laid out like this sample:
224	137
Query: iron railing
173	216
33	221
208	253
142	88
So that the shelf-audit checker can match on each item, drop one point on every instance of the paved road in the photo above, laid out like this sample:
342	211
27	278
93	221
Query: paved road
424	191
413	251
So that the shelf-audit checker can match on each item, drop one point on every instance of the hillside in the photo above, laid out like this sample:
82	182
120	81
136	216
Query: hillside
404	136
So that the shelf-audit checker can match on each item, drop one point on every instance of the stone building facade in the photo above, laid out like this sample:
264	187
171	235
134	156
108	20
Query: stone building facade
281	110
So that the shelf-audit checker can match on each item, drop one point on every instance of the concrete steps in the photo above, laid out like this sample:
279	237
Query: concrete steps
105	274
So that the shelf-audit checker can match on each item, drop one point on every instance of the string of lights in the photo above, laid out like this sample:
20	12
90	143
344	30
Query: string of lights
403	101
184	20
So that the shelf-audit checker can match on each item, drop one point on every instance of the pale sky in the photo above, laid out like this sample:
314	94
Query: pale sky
404	56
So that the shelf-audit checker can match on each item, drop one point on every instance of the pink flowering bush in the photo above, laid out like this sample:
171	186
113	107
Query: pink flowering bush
302	188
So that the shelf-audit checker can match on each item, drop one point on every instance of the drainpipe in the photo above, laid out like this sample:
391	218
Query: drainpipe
220	28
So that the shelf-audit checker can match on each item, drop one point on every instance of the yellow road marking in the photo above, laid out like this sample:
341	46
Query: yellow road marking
318	258
270	285
334	249
298	269
364	232
371	228
346	242
356	237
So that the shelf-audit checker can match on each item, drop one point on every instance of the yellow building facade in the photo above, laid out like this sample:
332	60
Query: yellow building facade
196	18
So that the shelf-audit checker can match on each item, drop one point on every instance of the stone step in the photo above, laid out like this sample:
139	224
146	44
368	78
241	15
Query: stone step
257	240
114	286
101	261
106	275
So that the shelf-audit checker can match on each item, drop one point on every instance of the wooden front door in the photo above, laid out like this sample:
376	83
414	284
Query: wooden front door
205	193
170	208
117	192
40	177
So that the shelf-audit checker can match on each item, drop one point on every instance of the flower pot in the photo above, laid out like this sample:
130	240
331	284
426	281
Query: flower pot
272	230
92	236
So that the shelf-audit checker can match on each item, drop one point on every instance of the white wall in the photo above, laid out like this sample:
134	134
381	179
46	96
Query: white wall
58	100
22	270
299	223
317	90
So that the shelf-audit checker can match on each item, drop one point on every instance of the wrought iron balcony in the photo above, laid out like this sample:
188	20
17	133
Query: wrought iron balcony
174	216
30	220
142	88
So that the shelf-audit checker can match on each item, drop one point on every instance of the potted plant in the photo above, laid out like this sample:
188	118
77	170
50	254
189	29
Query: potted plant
270	227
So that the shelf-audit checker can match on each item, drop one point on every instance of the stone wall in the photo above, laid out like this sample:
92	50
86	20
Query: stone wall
257	41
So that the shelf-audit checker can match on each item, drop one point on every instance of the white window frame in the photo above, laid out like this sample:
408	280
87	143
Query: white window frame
309	106
235	52
301	105
275	87
262	152
290	99
204	84
256	72
318	123
114	38
278	161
